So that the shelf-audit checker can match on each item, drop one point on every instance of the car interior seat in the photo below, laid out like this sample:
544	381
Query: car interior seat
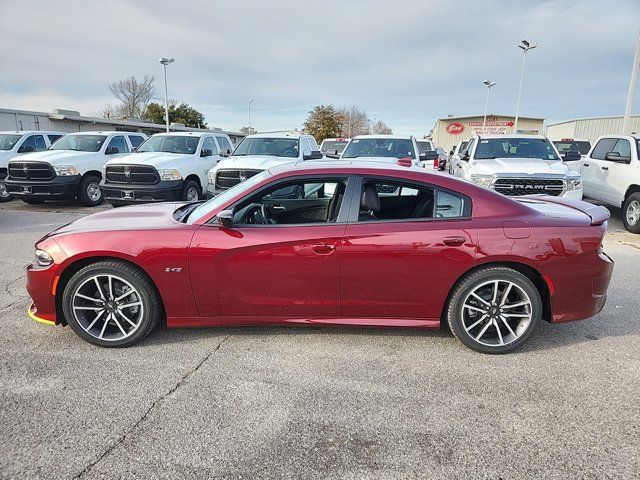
369	203
335	202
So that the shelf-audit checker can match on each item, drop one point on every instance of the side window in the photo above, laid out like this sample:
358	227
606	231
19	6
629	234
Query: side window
39	142
294	203
210	144
306	148
467	148
449	205
623	148
54	138
136	140
603	147
224	144
120	143
30	141
395	200
312	144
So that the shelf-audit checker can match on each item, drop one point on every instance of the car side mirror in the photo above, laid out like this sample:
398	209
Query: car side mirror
571	156
450	152
224	152
112	150
26	149
225	218
616	157
429	155
465	156
315	155
335	156
206	152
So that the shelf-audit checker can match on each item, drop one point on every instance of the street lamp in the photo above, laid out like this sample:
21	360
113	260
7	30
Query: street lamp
250	102
166	61
526	46
488	84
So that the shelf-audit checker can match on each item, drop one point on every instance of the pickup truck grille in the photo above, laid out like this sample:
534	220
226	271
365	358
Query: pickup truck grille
228	178
132	174
31	171
528	186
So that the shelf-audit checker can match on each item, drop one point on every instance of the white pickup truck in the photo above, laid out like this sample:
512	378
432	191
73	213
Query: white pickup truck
611	175
71	168
518	165
389	149
259	152
16	143
168	166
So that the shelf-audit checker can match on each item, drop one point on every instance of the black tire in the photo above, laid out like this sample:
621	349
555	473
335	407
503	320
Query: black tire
188	188
474	280
152	311
33	201
631	200
87	193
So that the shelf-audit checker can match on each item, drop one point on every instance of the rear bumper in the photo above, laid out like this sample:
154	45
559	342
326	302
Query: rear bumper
121	194
59	188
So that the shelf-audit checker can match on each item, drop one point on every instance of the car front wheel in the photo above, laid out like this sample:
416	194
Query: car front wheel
90	194
494	310
631	213
111	304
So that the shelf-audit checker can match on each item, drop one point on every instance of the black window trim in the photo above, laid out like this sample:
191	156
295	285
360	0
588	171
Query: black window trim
354	210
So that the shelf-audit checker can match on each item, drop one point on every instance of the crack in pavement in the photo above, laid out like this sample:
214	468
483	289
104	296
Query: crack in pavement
156	402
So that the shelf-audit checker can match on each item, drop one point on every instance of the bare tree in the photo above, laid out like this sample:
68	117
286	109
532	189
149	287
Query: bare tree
381	128
353	121
134	96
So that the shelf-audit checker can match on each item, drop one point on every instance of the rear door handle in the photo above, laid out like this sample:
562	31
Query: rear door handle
585	164
605	168
454	241
324	249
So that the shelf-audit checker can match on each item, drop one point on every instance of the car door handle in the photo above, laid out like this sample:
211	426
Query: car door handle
279	207
454	241
324	249
585	164
605	168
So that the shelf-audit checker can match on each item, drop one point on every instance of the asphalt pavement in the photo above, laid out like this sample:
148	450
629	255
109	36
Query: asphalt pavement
300	402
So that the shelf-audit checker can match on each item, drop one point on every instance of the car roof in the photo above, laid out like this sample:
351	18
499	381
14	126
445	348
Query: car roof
184	134
278	135
381	136
510	135
106	132
29	132
338	165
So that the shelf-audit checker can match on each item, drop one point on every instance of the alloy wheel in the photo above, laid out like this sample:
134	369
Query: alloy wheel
192	194
93	191
633	212
107	307
496	313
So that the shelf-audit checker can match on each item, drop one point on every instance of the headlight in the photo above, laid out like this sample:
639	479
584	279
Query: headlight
212	177
574	183
43	258
66	170
482	180
169	174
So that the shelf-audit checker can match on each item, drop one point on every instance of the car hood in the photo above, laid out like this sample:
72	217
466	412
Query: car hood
528	166
154	159
137	217
254	162
58	157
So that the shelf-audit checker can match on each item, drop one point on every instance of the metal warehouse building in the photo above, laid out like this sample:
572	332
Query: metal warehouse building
71	121
591	128
447	132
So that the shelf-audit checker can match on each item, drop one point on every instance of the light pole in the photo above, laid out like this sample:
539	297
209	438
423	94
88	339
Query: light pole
166	61
526	46
632	87
250	102
488	84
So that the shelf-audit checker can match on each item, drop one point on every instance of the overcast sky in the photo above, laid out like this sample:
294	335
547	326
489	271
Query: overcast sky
404	62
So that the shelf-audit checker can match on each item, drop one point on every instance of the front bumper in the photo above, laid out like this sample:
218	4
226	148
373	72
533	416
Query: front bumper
63	187
128	194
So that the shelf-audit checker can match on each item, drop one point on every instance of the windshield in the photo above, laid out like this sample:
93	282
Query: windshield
80	143
379	147
210	205
515	148
423	147
333	145
574	145
7	142
170	144
277	147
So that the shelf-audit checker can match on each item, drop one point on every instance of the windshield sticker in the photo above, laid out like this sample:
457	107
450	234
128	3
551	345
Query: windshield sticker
355	140
484	141
552	157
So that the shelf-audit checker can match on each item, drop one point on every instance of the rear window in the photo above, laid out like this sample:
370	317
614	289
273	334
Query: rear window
582	147
424	147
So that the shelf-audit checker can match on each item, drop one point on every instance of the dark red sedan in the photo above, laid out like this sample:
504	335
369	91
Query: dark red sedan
329	243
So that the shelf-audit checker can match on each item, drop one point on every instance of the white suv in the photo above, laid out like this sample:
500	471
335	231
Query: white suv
168	166
71	168
259	152
611	175
17	143
518	165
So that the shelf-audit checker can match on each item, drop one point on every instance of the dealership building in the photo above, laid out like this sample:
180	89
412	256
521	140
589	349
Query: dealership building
591	128
71	121
449	131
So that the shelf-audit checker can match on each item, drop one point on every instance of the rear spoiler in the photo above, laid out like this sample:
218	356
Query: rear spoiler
596	213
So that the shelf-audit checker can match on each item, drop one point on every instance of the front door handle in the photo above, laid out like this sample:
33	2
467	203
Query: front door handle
324	249
454	241
605	168
585	164
279	207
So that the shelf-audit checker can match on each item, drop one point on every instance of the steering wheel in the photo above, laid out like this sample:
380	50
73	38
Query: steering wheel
258	214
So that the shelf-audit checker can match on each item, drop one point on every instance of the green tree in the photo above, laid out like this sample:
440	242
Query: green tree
323	122
182	113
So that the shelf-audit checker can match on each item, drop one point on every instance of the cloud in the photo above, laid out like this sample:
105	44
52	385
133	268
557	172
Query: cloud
406	63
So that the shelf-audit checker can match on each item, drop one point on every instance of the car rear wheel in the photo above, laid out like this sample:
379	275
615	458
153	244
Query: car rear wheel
190	191
90	193
494	310
631	213
111	304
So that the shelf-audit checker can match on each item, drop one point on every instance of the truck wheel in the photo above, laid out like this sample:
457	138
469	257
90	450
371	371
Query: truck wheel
631	213
190	191
4	195
90	194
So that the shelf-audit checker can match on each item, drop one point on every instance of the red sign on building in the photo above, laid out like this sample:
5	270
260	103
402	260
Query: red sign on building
455	128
